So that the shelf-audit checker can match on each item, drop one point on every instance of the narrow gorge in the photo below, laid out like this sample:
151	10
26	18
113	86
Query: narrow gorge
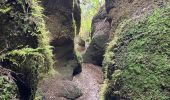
84	50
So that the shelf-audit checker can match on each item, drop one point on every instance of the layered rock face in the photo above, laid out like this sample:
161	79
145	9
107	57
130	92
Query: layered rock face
24	50
136	60
63	21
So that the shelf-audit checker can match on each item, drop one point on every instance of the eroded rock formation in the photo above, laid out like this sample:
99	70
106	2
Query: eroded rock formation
62	18
63	21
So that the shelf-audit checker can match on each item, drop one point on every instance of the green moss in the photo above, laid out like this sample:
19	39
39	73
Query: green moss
24	41
23	26
140	59
29	62
44	36
8	89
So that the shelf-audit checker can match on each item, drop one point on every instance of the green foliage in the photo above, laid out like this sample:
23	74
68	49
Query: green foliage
38	95
89	9
18	58
24	40
23	26
8	89
29	62
140	57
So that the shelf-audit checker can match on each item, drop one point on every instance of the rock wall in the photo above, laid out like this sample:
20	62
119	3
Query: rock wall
105	23
135	62
100	37
24	47
63	18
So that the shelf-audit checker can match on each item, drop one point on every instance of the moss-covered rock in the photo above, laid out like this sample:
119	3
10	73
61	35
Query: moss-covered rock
8	87
24	43
30	63
105	23
136	63
22	26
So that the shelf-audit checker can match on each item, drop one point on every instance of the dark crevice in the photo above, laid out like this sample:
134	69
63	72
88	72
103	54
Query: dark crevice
23	88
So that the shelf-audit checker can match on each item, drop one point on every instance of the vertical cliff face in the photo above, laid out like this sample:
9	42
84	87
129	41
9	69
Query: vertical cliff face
100	37
24	48
136	60
105	23
63	21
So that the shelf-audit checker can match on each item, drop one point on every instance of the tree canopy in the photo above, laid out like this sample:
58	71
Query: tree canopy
89	9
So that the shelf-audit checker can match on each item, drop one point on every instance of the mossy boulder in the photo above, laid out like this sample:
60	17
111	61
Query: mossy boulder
136	63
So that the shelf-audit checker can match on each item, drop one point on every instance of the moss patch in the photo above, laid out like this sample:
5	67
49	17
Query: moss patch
139	56
8	89
28	62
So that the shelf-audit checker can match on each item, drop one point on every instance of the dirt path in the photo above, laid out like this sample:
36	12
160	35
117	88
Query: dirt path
89	80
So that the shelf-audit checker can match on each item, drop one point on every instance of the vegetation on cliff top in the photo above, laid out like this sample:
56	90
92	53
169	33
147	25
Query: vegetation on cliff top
89	9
